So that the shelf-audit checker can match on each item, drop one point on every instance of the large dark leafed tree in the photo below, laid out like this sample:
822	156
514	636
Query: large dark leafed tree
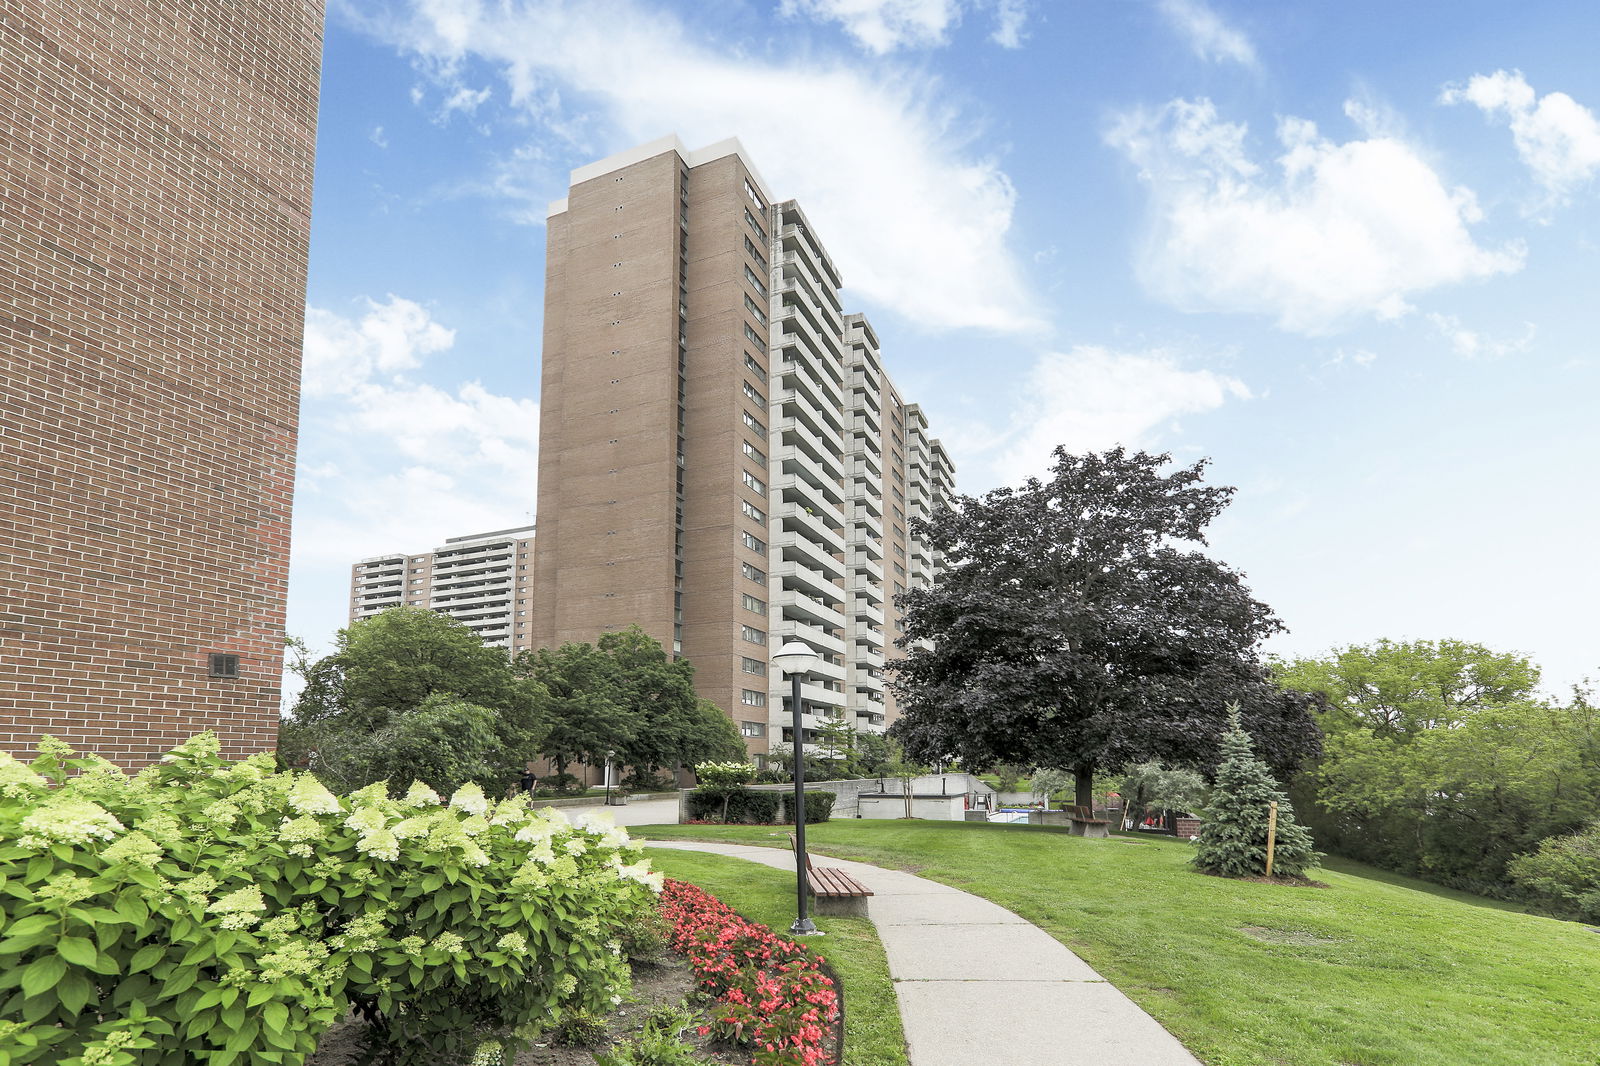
1078	627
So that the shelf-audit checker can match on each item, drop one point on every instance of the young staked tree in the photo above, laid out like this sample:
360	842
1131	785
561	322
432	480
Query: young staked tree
1078	627
1233	831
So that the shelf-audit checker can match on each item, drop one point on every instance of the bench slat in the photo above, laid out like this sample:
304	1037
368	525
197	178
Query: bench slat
828	881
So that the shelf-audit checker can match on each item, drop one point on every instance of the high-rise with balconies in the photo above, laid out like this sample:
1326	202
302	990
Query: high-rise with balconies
722	458
484	581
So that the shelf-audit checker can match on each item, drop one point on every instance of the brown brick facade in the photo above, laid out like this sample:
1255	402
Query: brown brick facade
155	187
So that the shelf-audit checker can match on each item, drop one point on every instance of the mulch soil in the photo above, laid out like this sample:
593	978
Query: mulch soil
664	984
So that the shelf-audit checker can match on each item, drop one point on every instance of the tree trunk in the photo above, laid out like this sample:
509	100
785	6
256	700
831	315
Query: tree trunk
1085	776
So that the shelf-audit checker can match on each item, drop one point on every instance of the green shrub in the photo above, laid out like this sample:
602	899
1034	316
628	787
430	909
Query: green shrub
645	938
819	806
1233	832
579	1028
1566	872
735	807
724	776
222	913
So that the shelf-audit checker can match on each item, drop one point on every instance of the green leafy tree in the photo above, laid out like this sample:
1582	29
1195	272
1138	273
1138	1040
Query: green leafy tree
1565	871
1008	775
444	743
1077	628
386	668
624	694
906	769
1439	761
1048	782
1233	832
1152	786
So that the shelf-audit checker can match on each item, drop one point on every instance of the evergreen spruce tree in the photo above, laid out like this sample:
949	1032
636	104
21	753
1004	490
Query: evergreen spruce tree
1233	834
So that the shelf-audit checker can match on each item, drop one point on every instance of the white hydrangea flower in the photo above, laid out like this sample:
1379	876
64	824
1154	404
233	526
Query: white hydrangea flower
308	796
420	795
449	943
575	846
380	844
470	798
488	1053
510	811
535	832
366	820
410	827
473	855
221	812
69	821
512	944
240	909
16	778
135	848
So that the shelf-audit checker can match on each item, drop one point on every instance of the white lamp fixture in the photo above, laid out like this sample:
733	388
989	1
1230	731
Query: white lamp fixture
796	657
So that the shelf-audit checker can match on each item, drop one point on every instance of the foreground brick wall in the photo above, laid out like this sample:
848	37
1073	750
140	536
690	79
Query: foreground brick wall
155	196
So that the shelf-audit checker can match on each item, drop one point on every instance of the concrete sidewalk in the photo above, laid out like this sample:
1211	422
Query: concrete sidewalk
977	984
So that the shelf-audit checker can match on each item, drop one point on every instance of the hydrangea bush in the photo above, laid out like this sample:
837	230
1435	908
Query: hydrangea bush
213	912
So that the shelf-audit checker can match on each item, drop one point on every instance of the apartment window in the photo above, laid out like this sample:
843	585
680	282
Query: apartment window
751	306
754	483
755	453
754	573
754	423
899	569
749	190
753	542
755	282
755	253
753	666
750	220
899	589
752	729
751	698
754	367
753	635
752	511
753	604
755	394
752	336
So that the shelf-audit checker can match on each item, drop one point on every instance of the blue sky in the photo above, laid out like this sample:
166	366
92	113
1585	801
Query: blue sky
1348	251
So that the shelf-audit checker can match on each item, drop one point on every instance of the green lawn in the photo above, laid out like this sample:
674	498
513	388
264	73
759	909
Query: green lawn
1373	971
872	1019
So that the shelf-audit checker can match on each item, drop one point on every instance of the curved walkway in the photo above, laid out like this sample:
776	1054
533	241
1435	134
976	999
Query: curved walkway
977	984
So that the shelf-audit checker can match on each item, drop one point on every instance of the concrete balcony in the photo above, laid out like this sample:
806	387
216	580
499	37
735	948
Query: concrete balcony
797	605
863	539
808	489
801	547
813	582
872	566
793	629
862	633
860	516
859	609
796	519
863	586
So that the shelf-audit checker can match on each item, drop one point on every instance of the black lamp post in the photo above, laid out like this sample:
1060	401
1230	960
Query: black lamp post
796	658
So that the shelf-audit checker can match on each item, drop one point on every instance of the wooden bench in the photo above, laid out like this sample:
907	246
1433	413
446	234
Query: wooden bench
1085	824
834	891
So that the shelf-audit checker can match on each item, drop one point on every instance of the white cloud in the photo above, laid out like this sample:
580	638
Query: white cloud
882	26
1556	137
1473	344
1211	38
469	451
916	218
343	355
377	137
1091	398
1336	232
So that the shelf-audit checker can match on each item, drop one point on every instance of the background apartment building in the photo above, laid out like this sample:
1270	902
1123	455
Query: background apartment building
155	186
722	459
484	581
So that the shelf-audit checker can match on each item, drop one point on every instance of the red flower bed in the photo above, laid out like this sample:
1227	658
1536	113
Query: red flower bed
771	993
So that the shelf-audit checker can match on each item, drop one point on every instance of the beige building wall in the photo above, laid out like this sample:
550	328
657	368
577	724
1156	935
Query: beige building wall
715	440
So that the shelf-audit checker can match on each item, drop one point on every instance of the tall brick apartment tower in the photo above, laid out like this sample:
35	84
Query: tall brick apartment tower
721	458
155	191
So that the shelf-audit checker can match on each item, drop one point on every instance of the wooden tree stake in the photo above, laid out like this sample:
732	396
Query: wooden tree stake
1272	833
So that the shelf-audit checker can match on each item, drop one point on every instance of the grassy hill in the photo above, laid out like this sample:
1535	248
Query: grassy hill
1374	970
